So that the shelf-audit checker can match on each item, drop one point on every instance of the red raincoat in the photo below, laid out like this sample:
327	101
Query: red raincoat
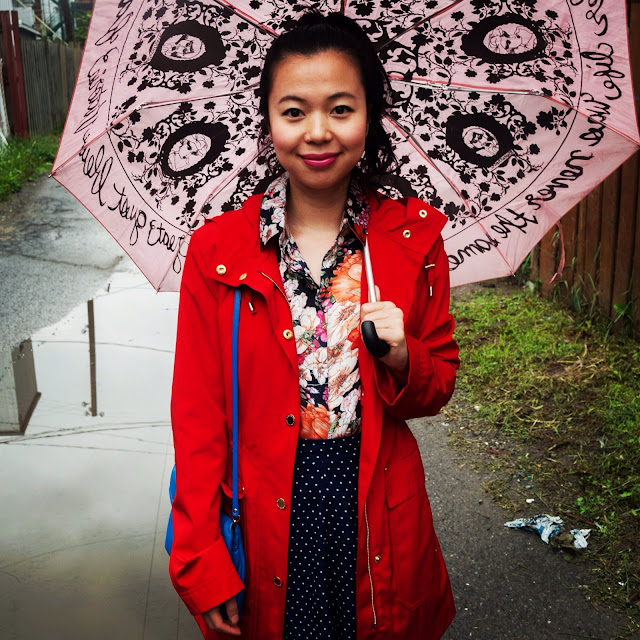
402	587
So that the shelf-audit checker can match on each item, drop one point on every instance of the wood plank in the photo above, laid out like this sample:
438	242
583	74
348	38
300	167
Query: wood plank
593	207
635	289
17	100
535	263
64	79
39	108
578	279
608	233
626	232
569	229
547	261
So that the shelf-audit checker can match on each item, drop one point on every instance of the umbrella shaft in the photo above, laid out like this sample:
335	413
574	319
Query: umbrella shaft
369	271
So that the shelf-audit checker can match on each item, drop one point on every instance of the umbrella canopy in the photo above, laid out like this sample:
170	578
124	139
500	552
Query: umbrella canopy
505	114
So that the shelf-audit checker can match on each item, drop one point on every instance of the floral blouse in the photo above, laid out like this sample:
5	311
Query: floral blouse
326	317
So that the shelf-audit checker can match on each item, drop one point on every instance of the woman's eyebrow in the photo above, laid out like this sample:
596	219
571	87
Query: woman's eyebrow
333	96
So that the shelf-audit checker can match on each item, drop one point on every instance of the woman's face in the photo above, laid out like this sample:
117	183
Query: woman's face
318	119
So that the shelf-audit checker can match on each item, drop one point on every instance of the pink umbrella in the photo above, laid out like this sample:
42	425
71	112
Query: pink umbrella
506	113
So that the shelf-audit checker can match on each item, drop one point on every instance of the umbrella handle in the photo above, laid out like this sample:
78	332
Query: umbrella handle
376	347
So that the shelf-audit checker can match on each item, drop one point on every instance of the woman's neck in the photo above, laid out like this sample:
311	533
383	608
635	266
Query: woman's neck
313	210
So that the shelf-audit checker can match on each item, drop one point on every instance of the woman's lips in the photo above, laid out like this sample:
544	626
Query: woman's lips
319	159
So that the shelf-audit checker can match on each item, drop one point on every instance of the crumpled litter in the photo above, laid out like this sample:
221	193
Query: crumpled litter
550	530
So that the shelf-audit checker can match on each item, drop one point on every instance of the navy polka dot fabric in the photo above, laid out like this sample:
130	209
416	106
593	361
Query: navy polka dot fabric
321	599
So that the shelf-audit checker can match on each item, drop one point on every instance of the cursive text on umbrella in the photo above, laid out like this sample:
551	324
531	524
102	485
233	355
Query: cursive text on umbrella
121	20
96	167
598	113
129	212
569	174
594	13
604	60
96	90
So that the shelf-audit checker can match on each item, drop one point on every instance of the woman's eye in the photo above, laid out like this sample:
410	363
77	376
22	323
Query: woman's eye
293	112
342	109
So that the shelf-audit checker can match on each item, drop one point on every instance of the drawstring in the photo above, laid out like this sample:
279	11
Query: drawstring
373	606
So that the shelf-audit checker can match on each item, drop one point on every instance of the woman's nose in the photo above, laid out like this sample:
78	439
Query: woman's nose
318	129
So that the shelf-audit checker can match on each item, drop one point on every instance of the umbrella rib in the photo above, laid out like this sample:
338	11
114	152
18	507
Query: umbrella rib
435	84
247	17
419	24
416	145
442	84
227	94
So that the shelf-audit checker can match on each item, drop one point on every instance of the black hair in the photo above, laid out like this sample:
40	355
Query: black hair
315	33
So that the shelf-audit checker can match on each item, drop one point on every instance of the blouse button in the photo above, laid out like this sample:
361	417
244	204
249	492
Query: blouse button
277	581
406	233
221	269
377	558
422	213
288	334
281	503
291	419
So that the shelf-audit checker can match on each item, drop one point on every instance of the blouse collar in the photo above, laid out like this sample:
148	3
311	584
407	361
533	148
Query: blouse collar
274	203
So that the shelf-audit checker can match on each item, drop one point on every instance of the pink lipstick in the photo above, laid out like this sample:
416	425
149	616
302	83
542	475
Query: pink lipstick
319	160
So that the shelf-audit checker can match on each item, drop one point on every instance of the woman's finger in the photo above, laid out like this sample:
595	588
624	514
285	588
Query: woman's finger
231	606
214	620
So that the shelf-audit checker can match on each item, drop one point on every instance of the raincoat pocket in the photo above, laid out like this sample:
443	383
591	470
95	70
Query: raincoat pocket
409	528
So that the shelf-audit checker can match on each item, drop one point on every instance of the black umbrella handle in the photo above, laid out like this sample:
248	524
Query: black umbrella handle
376	347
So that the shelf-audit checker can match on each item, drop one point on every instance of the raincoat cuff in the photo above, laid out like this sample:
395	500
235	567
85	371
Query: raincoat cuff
223	583
419	363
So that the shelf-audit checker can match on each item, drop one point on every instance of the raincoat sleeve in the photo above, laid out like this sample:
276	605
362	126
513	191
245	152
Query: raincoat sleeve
433	353
200	566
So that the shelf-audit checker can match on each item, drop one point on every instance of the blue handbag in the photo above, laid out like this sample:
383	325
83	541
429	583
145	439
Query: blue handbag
229	524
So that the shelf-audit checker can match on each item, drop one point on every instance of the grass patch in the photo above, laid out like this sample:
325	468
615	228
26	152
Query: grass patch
22	160
560	401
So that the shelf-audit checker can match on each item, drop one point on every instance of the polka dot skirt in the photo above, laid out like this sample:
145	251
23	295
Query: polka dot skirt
321	599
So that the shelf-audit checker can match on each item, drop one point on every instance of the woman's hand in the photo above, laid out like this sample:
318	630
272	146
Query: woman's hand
214	620
389	322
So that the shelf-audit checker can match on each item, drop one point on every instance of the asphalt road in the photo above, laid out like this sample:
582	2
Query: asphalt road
53	256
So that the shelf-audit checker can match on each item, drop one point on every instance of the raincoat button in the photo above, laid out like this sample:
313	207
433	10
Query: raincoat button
243	276
277	581
281	503
291	419
221	269
406	233
377	558
422	213
288	334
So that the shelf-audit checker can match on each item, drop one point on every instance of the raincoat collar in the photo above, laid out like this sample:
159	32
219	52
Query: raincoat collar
395	228
273	210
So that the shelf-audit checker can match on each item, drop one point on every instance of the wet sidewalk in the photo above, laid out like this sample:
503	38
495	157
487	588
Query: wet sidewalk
84	498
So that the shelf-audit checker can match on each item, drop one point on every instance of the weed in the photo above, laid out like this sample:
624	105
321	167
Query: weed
22	160
567	394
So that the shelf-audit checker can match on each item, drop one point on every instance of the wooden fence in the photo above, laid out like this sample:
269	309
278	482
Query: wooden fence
40	78
50	69
602	235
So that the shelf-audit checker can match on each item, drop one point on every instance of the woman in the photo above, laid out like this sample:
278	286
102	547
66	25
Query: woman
336	522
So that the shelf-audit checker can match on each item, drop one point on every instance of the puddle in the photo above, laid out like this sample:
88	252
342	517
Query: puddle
84	497
133	339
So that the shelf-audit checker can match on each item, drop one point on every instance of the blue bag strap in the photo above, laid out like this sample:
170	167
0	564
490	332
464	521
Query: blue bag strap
168	543
235	507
